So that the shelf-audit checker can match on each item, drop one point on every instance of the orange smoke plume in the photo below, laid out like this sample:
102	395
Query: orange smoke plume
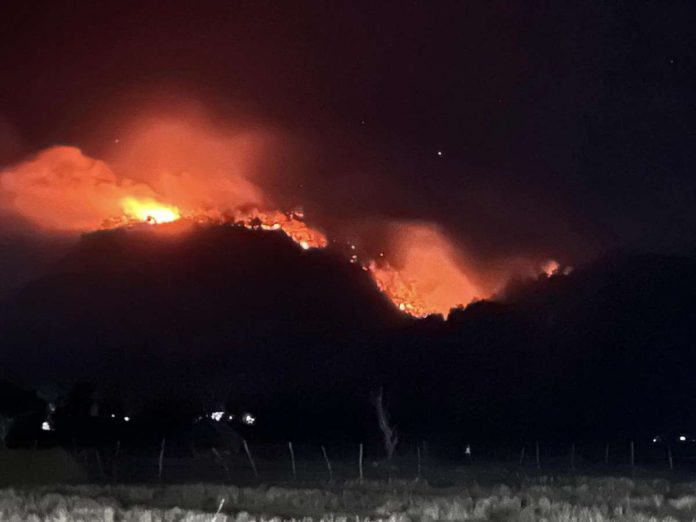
165	170
61	189
426	274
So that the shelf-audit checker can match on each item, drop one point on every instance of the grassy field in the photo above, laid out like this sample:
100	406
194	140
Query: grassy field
522	498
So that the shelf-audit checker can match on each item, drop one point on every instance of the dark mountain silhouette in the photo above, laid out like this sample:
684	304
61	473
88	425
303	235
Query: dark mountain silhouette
221	297
606	350
303	337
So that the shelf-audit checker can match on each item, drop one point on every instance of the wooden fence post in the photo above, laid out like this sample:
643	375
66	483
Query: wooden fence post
328	463
420	464
115	462
292	459
360	462
633	456
606	454
161	458
99	463
223	463
251	459
669	458
572	456
522	455
538	456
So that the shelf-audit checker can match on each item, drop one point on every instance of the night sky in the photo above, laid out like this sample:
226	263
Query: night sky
565	128
540	130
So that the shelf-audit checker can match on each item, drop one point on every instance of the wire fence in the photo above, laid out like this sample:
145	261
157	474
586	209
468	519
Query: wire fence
315	463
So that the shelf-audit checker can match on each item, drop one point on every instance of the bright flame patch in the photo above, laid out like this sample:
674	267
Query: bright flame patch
149	211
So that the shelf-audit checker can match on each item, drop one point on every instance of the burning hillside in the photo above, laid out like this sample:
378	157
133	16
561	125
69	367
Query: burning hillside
170	173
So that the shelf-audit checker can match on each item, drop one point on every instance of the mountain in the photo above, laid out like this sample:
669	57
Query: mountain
305	337
148	313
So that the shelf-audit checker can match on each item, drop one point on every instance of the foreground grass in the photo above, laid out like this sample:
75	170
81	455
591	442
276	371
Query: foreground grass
541	498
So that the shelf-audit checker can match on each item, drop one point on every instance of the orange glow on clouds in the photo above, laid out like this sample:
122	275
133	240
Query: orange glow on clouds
184	171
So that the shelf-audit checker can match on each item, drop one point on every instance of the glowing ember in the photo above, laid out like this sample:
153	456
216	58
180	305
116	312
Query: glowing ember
149	211
399	290
291	224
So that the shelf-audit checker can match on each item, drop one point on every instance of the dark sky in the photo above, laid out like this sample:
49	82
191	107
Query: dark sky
567	128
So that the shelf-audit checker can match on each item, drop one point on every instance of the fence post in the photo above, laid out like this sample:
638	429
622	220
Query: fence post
161	458
251	459
115	462
224	464
633	456
360	462
606	454
99	463
328	463
420	464
669	458
538	456
522	455
292	459
572	456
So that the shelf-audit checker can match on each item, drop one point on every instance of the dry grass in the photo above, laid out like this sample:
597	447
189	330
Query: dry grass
543	498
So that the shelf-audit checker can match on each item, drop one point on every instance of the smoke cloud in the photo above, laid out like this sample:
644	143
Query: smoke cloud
161	166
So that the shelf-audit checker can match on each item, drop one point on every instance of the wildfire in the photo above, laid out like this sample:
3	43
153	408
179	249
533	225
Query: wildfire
291	224
185	172
399	290
149	211
425	275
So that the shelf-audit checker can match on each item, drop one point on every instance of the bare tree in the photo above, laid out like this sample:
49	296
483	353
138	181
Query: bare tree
391	439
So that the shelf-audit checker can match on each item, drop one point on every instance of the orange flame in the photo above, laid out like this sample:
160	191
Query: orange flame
429	278
291	224
149	211
191	172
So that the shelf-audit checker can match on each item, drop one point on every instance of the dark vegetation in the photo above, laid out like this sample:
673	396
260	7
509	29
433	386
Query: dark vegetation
177	325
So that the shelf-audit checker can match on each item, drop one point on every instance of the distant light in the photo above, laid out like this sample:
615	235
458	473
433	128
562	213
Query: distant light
217	415
126	418
230	417
113	415
45	426
304	245
656	439
439	153
682	438
248	419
